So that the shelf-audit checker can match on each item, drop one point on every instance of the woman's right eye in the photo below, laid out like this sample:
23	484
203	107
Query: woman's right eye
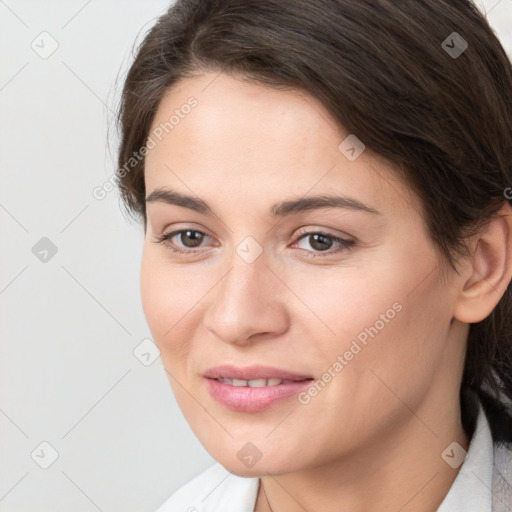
191	238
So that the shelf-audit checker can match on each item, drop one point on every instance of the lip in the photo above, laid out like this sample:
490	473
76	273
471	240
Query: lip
253	399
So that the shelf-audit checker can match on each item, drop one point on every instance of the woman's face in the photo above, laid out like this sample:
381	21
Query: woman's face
345	292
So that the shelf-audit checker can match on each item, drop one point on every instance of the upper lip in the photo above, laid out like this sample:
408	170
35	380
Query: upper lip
252	373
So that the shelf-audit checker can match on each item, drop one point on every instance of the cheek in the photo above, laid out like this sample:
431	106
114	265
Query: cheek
345	304
171	297
393	318
391	346
165	295
153	296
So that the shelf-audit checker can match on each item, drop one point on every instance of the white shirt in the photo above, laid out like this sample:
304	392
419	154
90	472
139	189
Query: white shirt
218	490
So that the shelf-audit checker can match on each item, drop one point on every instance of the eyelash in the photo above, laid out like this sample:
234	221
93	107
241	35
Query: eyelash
344	244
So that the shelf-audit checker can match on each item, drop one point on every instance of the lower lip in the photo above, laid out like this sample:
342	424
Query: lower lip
248	399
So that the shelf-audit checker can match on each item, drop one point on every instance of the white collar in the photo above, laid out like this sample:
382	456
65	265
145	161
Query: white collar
471	489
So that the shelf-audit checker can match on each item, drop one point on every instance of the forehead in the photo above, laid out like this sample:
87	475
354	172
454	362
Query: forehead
252	114
258	139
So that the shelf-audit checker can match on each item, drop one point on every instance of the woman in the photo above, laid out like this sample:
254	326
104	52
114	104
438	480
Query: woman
328	249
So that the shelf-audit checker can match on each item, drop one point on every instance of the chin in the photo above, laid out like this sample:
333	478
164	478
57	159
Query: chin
263	467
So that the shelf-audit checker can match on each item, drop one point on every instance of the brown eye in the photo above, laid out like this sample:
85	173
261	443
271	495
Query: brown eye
186	240
191	238
322	243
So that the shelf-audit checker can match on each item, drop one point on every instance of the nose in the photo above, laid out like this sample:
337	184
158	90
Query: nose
247	304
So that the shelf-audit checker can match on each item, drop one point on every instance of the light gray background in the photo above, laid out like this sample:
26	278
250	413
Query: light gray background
69	325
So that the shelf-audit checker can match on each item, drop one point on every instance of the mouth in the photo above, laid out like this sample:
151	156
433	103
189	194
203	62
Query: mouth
253	389
256	383
253	373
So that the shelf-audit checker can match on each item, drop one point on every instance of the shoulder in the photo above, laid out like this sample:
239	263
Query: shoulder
212	490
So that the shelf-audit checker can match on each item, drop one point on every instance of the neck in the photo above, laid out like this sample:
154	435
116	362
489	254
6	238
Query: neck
401	470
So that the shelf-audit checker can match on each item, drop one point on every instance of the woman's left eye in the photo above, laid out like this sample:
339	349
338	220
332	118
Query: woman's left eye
192	239
322	243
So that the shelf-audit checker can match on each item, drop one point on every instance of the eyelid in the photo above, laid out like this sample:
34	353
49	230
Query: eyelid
322	231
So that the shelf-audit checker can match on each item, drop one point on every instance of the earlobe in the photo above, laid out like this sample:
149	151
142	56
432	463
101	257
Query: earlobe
489	269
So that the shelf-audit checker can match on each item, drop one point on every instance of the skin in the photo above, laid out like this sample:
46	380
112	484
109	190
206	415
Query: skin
376	432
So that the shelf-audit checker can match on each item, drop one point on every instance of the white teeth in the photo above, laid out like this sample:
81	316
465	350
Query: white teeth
256	383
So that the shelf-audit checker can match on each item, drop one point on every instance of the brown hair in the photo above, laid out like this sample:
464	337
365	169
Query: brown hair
384	70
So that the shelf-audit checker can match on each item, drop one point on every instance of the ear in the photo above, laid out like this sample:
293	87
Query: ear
489	271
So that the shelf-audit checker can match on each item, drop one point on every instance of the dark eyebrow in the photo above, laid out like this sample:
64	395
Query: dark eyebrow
164	195
317	202
277	210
